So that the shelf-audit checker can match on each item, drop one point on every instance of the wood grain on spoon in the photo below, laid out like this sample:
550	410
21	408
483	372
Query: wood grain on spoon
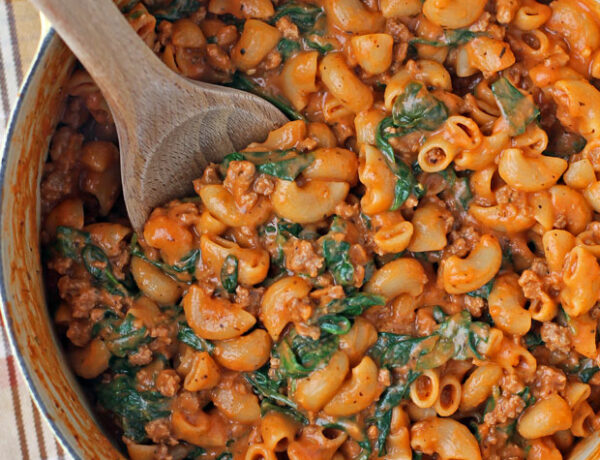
169	127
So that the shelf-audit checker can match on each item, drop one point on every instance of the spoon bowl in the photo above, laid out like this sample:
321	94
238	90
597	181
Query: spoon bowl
170	128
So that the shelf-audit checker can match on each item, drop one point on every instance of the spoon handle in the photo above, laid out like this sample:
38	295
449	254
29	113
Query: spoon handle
108	47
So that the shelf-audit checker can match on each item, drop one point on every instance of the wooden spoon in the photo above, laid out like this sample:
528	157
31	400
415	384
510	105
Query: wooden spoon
169	127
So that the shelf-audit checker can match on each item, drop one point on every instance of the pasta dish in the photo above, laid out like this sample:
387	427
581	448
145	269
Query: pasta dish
407	269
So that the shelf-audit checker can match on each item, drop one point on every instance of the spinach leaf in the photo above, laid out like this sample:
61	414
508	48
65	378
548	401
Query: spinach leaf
300	355
462	192
177	9
518	109
391	397
456	338
337	260
287	47
243	83
451	38
99	267
301	14
268	389
133	408
194	453
70	241
585	370
284	164
186	265
484	291
187	335
229	273
395	350
416	109
122	366
126	337
439	315
322	48
335	317
267	406
527	397
532	340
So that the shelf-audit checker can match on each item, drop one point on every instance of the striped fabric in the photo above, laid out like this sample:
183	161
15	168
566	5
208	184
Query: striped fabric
24	434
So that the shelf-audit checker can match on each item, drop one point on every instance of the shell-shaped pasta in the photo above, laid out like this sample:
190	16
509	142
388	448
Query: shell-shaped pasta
530	174
361	336
344	84
200	429
452	13
357	393
260	452
352	16
544	449
583	335
378	180
503	217
213	318
394	238
286	137
260	9
311	203
203	374
531	15
580	174
480	266
479	385
316	390
484	154
570	205
253	264
489	55
577	392
424	391
397	8
581	278
256	41
430	228
298	78
240	406
506	304
69	213
174	240
333	164
313	440
449	396
221	204
322	135
209	224
450	439
373	52
276	311
436	153
400	276
90	361
277	431
463	131
245	353
545	417
557	244
578	107
514	357
154	283
583	420
365	126
576	25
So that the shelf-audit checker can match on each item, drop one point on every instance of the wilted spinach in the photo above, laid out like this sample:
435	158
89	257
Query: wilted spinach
335	317
451	38
391	397
186	265
125	337
484	291
283	164
416	109
243	83
287	47
337	259
133	408
229	273
187	335
395	350
517	109
300	355
302	14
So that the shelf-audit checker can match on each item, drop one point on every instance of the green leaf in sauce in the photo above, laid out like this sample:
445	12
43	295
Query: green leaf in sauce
177	9
395	350
302	14
416	109
322	48
269	389
186	265
337	260
336	317
484	291
99	267
287	47
126	337
243	83
519	110
283	164
187	335
300	355
69	242
133	408
451	38
390	398
229	273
